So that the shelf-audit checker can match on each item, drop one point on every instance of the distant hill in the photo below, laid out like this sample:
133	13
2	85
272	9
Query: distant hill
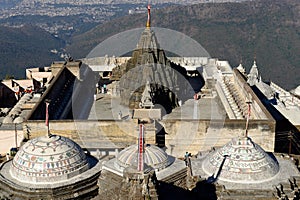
23	47
8	3
268	30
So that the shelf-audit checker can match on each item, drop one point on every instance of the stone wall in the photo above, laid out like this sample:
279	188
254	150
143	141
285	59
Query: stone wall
7	96
181	135
194	135
260	110
56	67
89	134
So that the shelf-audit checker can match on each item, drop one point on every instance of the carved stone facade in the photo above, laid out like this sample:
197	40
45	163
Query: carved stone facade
50	168
138	185
149	63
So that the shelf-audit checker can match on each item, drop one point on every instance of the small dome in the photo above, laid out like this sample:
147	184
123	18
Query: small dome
154	157
241	68
254	70
241	161
18	120
297	91
47	159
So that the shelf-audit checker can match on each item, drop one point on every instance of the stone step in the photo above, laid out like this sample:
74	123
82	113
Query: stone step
177	176
246	194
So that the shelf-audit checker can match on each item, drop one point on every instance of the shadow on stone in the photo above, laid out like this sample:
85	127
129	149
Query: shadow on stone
169	191
204	190
160	135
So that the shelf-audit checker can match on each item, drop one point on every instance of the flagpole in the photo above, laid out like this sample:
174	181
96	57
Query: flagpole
141	148
47	101
248	117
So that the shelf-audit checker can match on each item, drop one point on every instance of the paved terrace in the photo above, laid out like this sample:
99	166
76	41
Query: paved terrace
107	107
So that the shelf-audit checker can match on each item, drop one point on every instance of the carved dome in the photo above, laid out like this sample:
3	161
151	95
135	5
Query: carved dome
48	159
241	161
154	157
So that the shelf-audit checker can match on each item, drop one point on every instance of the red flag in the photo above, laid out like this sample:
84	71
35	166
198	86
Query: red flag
141	149
249	110
47	114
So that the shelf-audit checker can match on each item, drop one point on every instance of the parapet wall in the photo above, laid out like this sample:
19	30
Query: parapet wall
202	135
181	135
88	134
257	107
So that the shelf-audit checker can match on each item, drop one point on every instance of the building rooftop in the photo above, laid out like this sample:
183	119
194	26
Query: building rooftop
154	157
241	161
48	159
241	164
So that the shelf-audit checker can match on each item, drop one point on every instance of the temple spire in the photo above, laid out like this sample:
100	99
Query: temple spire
148	25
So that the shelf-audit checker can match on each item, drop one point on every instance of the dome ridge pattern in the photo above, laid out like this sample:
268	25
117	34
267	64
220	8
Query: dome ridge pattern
153	157
242	161
40	158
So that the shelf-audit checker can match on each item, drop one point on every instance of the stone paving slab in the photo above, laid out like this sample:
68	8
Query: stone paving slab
107	107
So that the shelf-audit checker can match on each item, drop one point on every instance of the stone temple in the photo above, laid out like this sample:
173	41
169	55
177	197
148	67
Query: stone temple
241	161
50	167
150	64
122	172
154	157
241	169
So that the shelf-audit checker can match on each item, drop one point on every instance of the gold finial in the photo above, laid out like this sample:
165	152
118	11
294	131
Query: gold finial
148	25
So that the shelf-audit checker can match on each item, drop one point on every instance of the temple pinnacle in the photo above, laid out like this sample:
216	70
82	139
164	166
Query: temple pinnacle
148	25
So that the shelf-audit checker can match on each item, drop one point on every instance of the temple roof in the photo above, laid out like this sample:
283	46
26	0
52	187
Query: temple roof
253	75
241	161
148	40
154	157
48	159
241	68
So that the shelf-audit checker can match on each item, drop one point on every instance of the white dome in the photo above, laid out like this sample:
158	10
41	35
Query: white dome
241	161
47	159
241	68
154	157
297	91
18	120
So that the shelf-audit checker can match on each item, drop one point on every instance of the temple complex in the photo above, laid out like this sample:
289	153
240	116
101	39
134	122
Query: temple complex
189	113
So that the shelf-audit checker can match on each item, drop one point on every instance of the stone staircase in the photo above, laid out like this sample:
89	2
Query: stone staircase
178	179
240	109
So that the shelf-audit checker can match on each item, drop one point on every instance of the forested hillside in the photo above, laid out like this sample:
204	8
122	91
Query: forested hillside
268	30
23	47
